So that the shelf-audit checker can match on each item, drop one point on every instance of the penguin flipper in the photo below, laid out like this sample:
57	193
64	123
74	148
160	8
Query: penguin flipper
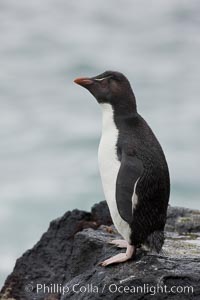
130	171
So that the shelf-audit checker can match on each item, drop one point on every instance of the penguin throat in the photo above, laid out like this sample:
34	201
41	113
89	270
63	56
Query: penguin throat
108	115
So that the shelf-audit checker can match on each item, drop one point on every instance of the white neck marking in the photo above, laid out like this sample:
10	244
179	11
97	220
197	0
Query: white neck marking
108	118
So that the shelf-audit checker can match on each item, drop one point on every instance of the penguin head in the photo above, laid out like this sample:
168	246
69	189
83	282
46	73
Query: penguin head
110	87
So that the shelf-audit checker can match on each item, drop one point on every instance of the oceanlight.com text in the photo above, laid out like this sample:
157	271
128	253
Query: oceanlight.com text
113	288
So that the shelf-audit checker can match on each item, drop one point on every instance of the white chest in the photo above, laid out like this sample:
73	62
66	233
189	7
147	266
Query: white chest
109	168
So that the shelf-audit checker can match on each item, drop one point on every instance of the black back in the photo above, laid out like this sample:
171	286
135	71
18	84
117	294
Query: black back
136	139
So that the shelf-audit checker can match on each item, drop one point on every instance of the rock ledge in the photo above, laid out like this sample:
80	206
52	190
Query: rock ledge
64	263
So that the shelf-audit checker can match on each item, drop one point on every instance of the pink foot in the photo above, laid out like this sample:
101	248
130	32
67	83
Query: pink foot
119	243
121	257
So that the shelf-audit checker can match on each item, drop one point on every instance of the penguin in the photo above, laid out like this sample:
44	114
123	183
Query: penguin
133	167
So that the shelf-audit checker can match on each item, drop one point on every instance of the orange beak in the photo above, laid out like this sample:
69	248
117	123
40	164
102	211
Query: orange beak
83	81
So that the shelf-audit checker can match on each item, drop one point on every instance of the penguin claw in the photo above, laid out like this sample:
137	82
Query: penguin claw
119	243
121	257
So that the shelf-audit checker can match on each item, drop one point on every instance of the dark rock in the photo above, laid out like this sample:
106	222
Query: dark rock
101	214
183	220
146	270
68	254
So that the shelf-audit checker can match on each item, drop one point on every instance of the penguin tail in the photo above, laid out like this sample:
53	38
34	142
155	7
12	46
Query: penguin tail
155	241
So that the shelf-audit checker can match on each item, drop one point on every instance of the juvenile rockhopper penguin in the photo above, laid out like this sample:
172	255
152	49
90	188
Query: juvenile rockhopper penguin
132	165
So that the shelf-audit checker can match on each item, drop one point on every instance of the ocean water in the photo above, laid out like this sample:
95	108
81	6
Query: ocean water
50	127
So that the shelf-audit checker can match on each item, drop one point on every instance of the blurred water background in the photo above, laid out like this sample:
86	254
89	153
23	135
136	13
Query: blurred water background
50	128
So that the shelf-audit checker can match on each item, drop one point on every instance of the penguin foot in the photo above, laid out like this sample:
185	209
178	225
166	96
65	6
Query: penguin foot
121	257
119	243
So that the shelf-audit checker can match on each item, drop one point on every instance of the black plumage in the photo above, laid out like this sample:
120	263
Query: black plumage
144	158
